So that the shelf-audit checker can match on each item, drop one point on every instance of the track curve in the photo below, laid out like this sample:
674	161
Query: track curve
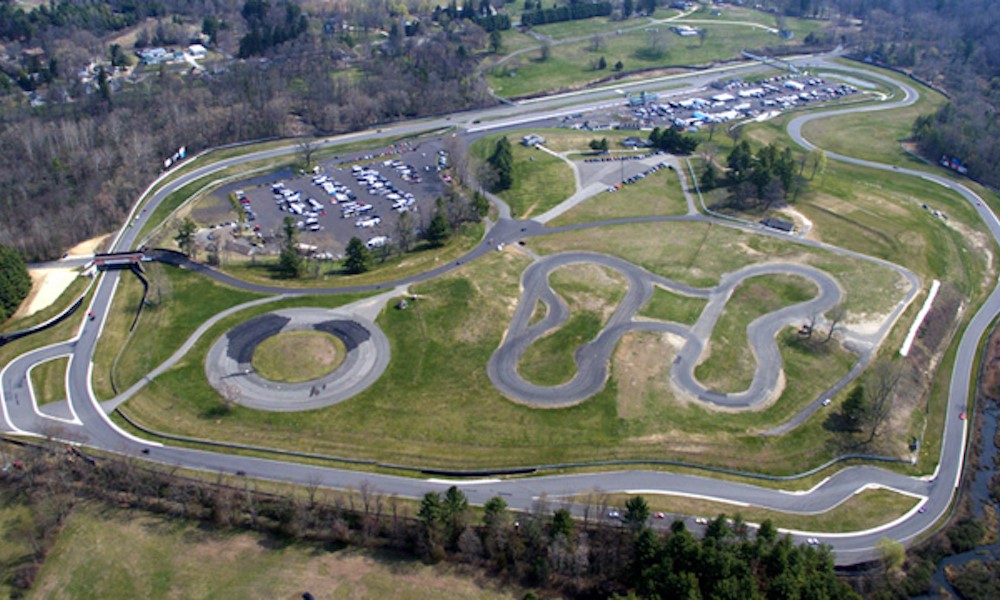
592	358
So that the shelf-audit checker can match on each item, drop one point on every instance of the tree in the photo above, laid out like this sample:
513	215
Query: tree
636	512
893	555
601	144
562	524
480	204
710	178
404	232
627	9
496	41
619	66
502	161
437	231
15	283
854	409
602	64
307	148
837	315
702	32
545	51
185	235
880	389
356	256
289	261
818	162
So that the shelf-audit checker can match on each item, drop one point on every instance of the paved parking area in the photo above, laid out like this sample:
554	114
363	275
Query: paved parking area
361	194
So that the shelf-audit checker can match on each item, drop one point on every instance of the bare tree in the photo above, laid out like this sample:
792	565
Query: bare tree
836	317
596	42
307	149
880	387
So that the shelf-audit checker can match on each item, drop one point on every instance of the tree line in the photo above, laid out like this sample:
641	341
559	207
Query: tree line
15	283
590	556
566	12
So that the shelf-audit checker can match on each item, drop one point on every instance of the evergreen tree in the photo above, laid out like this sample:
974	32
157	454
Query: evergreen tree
15	283
502	161
356	256
636	513
437	231
602	64
710	178
289	261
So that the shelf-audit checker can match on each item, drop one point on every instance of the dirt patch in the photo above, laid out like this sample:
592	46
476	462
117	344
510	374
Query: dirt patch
642	370
46	287
88	247
589	287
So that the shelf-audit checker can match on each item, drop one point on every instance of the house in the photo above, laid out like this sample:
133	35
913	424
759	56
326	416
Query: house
779	224
197	51
153	56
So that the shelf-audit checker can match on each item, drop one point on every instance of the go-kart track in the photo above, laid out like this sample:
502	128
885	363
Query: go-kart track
593	357
85	421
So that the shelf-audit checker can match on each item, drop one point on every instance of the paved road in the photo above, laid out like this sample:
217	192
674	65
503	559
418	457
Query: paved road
88	424
592	357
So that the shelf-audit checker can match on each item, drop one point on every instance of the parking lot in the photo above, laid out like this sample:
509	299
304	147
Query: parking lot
362	195
726	101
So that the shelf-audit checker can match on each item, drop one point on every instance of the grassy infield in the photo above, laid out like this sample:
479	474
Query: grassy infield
441	396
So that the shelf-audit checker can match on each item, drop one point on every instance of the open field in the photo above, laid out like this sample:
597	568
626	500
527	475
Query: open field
659	194
179	301
591	293
48	380
438	407
668	306
130	554
540	180
297	356
729	364
569	64
863	511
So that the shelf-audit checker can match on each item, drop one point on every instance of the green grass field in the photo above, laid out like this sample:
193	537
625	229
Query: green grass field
48	380
569	64
115	554
178	302
438	407
540	180
729	365
296	356
659	194
668	306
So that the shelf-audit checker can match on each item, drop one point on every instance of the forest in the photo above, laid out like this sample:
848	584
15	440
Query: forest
77	155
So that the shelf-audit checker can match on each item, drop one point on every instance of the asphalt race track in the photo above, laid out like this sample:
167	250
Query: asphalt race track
592	358
86	421
228	361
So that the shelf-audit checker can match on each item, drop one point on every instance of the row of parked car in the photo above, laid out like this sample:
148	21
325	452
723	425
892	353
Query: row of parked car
639	176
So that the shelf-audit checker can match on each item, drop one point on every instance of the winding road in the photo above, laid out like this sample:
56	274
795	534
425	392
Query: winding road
86	422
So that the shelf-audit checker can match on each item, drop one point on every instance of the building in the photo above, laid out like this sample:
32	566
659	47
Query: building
197	51
779	224
532	140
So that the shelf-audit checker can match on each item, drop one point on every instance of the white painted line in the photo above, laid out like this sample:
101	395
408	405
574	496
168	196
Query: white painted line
686	495
912	334
462	481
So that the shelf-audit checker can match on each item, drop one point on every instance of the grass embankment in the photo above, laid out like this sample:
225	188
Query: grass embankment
178	302
297	356
729	364
540	180
659	194
569	64
592	293
668	306
62	331
865	510
17	548
422	258
48	380
131	554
